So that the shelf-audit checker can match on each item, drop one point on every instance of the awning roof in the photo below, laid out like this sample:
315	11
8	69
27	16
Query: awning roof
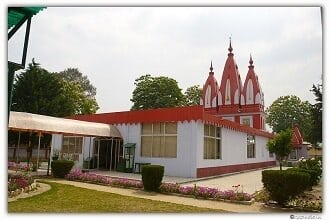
47	124
16	14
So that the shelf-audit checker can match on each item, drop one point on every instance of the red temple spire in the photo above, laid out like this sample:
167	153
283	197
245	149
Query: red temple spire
210	90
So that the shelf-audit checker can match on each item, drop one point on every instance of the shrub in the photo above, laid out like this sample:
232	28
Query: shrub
284	185
61	167
311	164
314	178
152	176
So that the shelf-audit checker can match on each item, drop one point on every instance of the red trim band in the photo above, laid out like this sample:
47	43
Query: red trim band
213	171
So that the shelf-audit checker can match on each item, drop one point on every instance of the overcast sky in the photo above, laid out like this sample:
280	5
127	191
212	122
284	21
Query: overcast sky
115	45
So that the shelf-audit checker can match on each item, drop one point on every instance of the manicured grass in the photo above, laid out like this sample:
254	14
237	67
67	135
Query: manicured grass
70	199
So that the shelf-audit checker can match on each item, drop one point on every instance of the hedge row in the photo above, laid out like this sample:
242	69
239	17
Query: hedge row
314	178
285	185
152	176
61	167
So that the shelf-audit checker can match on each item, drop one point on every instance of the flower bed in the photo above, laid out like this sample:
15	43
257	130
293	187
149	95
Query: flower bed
19	183
234	195
77	174
19	167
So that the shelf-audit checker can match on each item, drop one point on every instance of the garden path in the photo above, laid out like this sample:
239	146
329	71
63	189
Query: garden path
249	181
230	207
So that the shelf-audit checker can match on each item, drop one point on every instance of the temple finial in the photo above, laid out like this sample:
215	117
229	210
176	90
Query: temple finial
211	69
230	49
251	61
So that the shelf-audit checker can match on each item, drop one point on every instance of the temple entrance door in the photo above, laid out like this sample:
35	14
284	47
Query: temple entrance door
110	151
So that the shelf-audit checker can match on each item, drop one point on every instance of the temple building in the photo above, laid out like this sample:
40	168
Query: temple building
230	99
225	134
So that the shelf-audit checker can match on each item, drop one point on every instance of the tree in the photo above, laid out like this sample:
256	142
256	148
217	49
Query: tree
38	91
76	101
156	92
74	75
316	133
286	111
83	91
281	145
193	95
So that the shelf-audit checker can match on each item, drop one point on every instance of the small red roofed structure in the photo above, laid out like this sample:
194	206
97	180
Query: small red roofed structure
297	138
300	148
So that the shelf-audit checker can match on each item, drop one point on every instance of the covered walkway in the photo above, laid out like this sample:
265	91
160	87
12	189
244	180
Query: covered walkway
42	124
23	121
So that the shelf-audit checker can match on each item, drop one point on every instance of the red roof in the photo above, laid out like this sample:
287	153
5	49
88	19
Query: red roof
251	75
297	138
230	80
212	82
187	113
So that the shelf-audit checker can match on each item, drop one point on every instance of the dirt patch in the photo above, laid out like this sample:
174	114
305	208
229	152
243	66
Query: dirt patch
316	192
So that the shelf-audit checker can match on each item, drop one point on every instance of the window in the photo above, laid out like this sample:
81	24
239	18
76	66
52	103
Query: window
227	94
229	118
251	148
246	121
72	145
208	96
212	142
271	154
159	139
293	155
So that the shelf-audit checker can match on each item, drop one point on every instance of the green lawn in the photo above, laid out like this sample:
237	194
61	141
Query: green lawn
70	199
